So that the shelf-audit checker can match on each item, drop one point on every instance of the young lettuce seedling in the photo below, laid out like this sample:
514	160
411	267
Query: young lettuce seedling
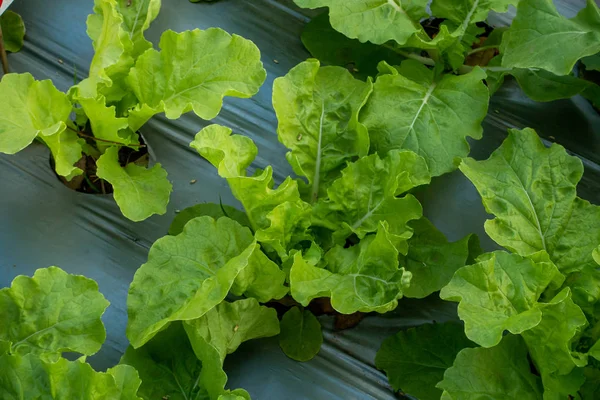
97	122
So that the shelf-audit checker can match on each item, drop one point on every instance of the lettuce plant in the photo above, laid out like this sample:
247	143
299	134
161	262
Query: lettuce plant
129	82
544	291
42	317
346	228
540	48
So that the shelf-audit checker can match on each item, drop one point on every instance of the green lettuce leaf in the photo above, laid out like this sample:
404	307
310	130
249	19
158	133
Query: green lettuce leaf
138	191
500	293
592	62
170	369
194	70
213	210
29	108
290	222
104	122
301	335
431	259
592	383
365	195
231	155
29	377
376	21
532	192
228	325
333	48
112	52
541	85
137	17
498	373
50	313
464	13
411	110
317	109
66	148
364	277
550	345
539	37
189	274
13	31
415	359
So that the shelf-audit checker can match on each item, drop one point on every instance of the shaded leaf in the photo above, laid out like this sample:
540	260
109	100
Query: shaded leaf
497	373
213	210
301	336
13	31
333	48
415	359
431	259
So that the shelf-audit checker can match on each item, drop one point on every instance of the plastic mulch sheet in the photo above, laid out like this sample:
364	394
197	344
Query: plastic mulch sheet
43	223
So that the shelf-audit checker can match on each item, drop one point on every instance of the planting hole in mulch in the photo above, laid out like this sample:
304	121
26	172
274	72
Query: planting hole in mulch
89	182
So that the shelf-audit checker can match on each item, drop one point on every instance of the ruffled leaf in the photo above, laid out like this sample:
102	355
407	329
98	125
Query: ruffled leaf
364	277
317	109
194	70
532	192
231	155
228	325
29	377
500	293
375	21
29	108
365	195
550	345
138	191
189	274
66	148
137	17
50	313
410	110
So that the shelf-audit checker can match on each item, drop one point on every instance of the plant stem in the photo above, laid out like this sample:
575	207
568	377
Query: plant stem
3	56
103	140
482	48
463	69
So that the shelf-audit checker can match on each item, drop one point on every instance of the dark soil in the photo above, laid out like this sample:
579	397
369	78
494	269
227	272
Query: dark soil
89	182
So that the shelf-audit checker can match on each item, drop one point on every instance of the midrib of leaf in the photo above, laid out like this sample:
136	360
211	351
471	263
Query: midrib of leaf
396	6
369	213
170	372
423	103
537	219
137	16
317	175
467	20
